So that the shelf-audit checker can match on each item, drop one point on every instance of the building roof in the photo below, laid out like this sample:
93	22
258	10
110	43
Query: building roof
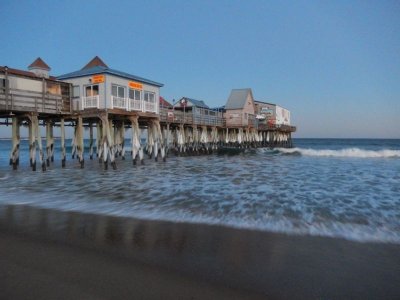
97	66
95	62
165	103
237	99
39	64
263	102
22	73
195	103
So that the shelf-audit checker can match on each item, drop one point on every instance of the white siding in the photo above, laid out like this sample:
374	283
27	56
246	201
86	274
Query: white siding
82	82
282	116
25	84
111	79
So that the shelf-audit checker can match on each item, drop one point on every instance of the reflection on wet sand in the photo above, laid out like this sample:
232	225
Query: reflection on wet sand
276	265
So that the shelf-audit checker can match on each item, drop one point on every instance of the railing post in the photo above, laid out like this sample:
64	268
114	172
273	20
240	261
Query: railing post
7	86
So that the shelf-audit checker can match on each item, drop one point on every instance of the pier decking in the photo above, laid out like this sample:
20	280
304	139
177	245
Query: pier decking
112	102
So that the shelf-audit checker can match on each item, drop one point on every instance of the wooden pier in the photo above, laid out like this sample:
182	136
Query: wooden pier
36	100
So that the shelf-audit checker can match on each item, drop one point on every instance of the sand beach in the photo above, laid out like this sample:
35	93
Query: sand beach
48	254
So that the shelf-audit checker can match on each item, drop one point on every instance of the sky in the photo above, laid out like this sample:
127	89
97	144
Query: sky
334	64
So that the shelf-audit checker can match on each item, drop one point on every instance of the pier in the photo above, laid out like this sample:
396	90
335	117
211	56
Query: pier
113	105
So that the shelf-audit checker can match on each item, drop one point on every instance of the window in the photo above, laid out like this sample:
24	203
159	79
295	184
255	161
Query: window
118	91
76	91
53	88
149	97
92	90
2	83
134	94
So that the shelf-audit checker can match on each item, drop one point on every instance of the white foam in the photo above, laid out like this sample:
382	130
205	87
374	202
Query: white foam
347	152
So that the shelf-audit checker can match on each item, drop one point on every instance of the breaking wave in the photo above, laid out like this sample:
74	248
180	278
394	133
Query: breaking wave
347	152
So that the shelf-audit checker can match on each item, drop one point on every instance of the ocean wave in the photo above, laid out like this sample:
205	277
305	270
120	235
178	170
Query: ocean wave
347	152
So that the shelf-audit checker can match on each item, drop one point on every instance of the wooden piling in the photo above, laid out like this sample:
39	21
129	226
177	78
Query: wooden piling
49	143
39	144
108	151
122	139
135	139
32	143
73	143
90	140
79	142
63	151
111	144
99	140
14	156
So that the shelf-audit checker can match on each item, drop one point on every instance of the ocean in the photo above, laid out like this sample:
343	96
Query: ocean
342	188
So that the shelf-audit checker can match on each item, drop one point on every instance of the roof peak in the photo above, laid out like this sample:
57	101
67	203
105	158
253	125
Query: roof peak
95	62
40	64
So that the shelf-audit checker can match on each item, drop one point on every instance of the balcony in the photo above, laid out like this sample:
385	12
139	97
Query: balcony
134	104
150	106
90	102
119	102
126	104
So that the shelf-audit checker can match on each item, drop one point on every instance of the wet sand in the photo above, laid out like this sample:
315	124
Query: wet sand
48	254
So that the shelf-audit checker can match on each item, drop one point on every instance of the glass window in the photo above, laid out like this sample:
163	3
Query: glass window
134	94
76	91
121	92
149	97
92	90
114	90
53	88
118	91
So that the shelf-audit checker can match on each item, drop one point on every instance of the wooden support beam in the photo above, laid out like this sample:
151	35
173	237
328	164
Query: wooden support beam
32	142
49	142
63	152
122	140
14	156
99	135
79	142
39	143
91	140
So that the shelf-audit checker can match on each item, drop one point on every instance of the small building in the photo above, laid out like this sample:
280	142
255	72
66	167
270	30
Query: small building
240	109
197	112
272	114
96	86
33	91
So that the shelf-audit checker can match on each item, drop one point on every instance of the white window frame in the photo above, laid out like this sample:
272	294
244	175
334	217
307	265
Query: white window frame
149	104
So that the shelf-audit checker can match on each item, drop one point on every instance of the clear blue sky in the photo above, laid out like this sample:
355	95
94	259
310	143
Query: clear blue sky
334	64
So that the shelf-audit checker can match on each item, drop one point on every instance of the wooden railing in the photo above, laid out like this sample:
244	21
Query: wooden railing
181	117
90	102
28	101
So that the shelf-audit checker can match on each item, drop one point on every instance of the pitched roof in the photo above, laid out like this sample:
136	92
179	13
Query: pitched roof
106	70
95	62
263	102
165	103
196	103
237	99
23	73
39	63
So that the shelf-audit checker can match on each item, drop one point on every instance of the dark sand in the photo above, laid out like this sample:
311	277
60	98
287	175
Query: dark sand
46	254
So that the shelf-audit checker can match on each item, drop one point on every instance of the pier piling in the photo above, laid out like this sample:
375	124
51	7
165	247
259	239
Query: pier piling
49	143
63	151
90	140
14	156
